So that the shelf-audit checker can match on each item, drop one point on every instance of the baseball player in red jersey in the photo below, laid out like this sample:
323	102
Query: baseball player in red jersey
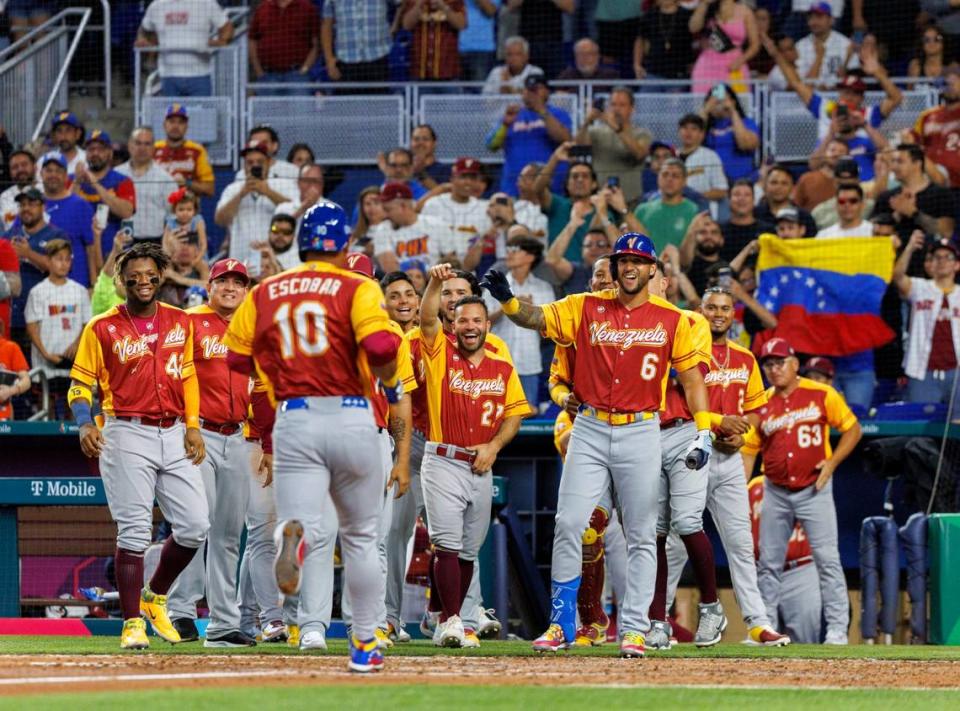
800	606
140	355
303	329
734	387
475	405
794	431
603	544
627	343
224	400
477	620
937	130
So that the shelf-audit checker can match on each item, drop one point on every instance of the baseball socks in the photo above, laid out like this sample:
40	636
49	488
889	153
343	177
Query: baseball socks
433	603
658	607
173	559
466	577
701	558
446	574
128	567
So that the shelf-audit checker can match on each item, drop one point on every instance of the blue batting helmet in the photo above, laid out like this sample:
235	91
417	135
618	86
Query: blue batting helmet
324	228
634	244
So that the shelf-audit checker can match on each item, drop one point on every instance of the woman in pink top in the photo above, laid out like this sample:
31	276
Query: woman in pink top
729	40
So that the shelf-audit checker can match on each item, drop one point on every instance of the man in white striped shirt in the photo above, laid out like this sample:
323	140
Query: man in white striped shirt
152	183
464	214
57	309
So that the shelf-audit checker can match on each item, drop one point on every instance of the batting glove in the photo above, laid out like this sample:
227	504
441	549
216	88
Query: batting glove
496	283
699	452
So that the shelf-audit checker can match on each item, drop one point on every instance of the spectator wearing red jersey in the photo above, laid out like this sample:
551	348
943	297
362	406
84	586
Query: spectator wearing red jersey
13	373
284	44
938	129
10	284
436	26
184	159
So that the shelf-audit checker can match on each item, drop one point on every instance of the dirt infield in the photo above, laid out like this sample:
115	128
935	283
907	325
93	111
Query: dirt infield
37	674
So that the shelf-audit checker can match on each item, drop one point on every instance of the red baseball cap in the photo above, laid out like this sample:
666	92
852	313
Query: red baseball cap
359	263
852	82
229	266
945	244
258	146
467	166
776	348
820	8
821	365
395	191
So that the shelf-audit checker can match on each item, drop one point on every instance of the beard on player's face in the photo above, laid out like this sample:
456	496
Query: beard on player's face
632	276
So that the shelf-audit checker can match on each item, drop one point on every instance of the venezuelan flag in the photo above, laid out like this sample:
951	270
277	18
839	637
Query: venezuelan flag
826	293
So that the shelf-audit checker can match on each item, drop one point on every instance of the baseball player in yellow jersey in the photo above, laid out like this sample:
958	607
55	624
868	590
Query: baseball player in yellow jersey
627	343
140	354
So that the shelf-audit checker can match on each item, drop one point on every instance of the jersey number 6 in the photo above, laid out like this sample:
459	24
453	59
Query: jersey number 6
307	332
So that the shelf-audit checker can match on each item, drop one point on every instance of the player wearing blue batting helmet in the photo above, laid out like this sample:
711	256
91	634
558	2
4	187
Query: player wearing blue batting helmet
632	244
324	228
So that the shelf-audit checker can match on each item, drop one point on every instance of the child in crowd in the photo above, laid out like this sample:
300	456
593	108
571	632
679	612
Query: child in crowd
57	309
184	220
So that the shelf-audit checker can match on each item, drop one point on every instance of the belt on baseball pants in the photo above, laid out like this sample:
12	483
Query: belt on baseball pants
161	422
616	418
303	403
792	564
675	422
450	451
224	428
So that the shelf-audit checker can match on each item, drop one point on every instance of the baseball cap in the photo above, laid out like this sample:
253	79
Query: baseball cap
776	348
884	218
176	110
359	263
395	190
467	166
414	263
229	266
534	80
53	157
819	364
852	82
847	168
820	8
660	144
258	146
31	193
67	117
934	246
788	213
99	136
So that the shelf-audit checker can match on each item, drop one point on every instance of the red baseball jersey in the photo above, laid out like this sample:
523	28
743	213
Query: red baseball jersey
9	262
140	374
675	402
466	403
303	328
421	421
624	355
798	549
734	385
938	131
189	160
795	432
224	393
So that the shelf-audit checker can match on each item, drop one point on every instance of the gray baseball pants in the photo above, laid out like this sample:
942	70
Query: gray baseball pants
140	463
329	448
226	476
628	458
405	512
815	510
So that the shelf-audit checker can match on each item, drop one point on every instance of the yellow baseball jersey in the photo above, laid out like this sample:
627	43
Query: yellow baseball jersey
303	328
466	403
624	356
733	382
140	372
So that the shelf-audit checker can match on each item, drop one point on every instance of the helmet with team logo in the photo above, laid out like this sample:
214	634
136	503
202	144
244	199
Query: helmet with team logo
633	244
323	228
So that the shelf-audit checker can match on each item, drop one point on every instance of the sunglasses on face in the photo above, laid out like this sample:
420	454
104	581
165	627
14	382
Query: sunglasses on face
281	231
848	201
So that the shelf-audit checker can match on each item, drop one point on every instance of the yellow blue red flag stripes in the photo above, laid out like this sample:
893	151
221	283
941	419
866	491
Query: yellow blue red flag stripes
826	293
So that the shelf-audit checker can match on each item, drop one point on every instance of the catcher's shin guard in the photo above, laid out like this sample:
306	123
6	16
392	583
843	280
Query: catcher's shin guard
589	602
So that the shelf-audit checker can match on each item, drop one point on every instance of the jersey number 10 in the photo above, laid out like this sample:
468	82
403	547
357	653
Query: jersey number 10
305	332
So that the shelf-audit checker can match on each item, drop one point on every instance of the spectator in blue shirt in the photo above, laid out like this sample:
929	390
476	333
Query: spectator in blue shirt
72	214
355	36
732	134
530	133
29	236
98	183
477	40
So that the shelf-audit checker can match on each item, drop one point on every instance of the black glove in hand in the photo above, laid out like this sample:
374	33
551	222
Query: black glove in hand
496	283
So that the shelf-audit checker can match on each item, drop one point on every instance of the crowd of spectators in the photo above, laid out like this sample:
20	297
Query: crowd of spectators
705	191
